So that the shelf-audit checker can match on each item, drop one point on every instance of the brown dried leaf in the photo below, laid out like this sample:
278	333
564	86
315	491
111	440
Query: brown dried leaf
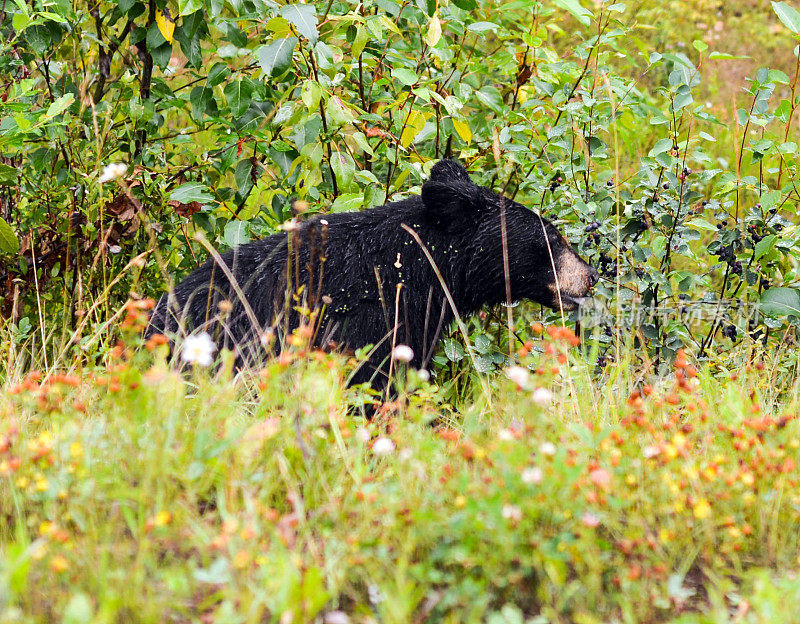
121	207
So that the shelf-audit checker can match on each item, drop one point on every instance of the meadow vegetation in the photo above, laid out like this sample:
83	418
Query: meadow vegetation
640	465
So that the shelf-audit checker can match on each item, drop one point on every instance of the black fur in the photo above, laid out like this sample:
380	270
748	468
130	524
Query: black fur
348	266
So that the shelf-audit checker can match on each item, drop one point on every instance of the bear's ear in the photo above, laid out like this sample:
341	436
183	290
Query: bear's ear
445	170
449	193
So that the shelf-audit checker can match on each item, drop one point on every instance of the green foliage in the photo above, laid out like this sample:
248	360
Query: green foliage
137	490
226	113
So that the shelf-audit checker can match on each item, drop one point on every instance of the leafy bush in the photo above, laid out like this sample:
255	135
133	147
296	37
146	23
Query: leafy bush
226	113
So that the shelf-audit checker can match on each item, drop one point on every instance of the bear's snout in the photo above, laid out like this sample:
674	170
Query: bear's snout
575	279
593	277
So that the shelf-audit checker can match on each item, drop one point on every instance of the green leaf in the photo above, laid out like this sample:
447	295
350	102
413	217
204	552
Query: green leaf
434	31
8	175
483	343
343	168
764	246
703	225
682	99
190	35
484	363
583	15
59	105
788	15
492	98
481	27
311	94
304	18
348	202
724	56
191	191
239	95
453	350
277	56
406	76
217	73
203	102
778	302
338	113
661	146
9	243
236	233
362	142
361	40
20	21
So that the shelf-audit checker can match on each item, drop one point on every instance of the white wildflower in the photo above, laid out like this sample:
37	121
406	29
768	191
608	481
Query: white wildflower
547	448
336	617
403	353
383	446
506	435
374	594
512	512
111	172
651	451
519	375
590	520
542	396
423	374
198	349
532	476
362	433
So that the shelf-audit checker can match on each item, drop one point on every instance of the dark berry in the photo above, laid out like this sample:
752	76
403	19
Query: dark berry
730	332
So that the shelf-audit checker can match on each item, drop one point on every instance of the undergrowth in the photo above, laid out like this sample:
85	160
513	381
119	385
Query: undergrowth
137	493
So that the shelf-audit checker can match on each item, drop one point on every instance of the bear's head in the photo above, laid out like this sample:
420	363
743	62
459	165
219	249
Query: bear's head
542	266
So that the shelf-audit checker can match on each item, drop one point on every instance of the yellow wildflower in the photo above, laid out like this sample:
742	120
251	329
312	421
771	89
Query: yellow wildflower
701	509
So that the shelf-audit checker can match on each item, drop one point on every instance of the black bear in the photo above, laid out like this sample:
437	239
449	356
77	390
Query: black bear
363	278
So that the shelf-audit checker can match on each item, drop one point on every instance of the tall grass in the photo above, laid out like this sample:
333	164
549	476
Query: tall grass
139	494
